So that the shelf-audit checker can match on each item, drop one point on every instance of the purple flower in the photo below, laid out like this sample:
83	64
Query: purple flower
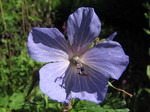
74	71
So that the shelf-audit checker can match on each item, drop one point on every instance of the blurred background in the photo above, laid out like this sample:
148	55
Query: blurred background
19	90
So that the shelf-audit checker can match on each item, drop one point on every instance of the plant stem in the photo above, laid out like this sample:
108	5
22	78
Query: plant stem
2	13
110	84
23	19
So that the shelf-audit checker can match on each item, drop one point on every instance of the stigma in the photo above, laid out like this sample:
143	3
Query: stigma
75	59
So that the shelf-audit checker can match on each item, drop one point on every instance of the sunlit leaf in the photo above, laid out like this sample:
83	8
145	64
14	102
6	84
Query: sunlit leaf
16	101
147	31
148	71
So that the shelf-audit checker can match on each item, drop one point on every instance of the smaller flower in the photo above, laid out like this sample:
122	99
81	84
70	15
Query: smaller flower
73	71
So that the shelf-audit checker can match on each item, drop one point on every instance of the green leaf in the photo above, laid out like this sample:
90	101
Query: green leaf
147	31
139	92
4	101
87	106
91	45
122	110
147	16
33	18
148	71
16	101
55	4
147	89
3	110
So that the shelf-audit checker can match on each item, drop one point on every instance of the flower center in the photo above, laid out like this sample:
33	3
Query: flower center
78	65
75	59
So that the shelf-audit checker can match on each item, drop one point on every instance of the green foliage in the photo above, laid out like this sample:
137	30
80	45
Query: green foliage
112	103
147	16
16	101
148	71
18	72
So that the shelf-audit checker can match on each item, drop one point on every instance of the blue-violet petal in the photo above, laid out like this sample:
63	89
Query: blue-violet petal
51	79
108	58
83	26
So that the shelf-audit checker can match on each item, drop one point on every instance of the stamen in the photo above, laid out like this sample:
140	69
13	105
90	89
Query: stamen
78	64
81	70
